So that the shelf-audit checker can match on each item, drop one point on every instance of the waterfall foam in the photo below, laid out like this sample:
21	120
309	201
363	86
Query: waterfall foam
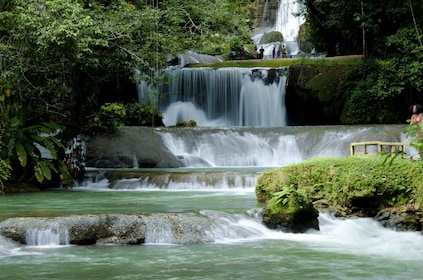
222	97
48	237
287	20
7	247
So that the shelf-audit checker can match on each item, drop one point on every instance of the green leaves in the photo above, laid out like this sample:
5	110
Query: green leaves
21	153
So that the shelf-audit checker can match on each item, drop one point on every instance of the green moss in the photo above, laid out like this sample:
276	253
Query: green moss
283	62
360	184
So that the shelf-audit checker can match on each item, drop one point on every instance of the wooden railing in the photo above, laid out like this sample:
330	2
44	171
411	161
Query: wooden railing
394	147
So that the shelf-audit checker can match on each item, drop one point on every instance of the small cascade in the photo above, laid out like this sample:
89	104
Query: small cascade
135	161
201	180
48	237
234	227
229	148
7	247
159	231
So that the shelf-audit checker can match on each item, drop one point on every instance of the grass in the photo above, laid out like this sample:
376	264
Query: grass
351	184
283	62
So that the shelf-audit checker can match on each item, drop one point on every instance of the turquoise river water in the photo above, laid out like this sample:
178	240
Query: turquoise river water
242	249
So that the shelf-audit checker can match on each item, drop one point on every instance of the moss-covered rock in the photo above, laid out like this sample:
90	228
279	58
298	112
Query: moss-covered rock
361	186
291	210
270	37
316	93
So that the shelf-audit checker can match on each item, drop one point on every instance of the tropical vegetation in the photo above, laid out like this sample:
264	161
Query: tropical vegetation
68	65
354	186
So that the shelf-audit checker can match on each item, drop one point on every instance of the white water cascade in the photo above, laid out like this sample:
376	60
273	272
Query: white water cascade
222	97
48	237
288	23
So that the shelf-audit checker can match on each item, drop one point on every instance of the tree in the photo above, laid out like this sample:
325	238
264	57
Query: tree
389	35
61	60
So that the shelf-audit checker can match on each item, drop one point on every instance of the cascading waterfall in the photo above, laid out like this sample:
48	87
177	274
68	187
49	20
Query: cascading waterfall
288	23
230	96
222	97
52	236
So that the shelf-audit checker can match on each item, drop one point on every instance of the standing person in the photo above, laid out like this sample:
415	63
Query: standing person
283	50
415	129
261	52
417	113
242	52
274	52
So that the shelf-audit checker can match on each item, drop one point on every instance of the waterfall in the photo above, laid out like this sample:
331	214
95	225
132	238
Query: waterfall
47	237
286	22
222	97
7	247
210	180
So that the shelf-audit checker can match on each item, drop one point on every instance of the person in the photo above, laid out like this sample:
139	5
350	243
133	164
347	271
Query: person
242	52
416	131
274	52
283	50
417	113
261	52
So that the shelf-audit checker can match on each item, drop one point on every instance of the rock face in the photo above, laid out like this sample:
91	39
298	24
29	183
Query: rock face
112	229
142	143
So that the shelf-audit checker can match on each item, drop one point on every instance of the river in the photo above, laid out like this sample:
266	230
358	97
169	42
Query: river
241	247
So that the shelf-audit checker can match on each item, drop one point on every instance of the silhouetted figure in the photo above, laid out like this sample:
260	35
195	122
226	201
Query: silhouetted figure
261	52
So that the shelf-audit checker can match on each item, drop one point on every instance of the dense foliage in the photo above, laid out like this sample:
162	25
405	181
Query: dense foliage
389	34
62	60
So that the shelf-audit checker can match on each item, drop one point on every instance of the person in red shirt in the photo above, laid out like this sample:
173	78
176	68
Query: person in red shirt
417	115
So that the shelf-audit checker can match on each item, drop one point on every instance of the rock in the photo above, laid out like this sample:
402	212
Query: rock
290	211
112	229
120	150
400	219
190	123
